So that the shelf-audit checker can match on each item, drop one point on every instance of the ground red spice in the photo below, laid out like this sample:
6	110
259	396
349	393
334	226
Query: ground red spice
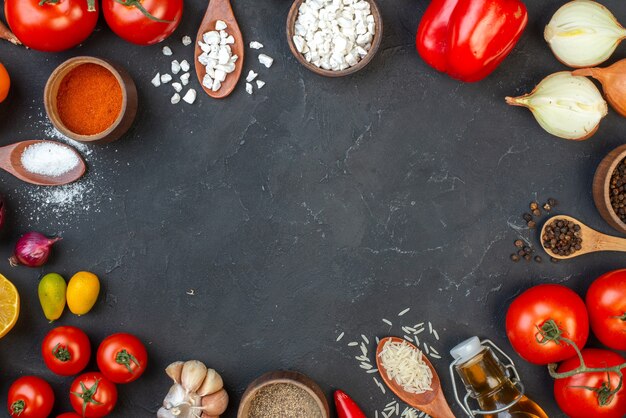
89	99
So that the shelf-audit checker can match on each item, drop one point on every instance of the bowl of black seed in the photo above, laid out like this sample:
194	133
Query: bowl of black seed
609	188
561	237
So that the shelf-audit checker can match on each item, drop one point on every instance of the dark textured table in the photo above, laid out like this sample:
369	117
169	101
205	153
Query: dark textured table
314	207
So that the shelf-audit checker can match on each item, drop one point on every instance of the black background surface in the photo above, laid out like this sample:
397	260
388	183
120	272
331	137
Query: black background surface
313	207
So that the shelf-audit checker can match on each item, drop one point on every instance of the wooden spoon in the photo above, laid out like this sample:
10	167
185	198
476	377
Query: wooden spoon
11	161
432	402
593	240
221	10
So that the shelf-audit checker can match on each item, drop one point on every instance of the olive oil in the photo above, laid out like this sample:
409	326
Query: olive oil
486	381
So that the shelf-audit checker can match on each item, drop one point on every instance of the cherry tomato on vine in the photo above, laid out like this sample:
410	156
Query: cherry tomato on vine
606	302
538	319
5	83
92	395
49	25
30	397
66	350
586	395
122	358
145	22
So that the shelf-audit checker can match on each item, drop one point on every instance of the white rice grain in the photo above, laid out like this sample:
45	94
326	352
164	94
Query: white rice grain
404	311
340	336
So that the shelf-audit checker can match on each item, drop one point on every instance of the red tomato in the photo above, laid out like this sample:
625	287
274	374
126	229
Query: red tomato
579	396
606	302
30	397
51	26
531	311
127	20
5	83
66	350
122	358
90	387
69	415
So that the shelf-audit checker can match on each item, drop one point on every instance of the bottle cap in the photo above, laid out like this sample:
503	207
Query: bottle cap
466	350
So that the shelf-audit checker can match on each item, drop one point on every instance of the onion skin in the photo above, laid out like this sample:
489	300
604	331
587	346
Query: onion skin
613	80
32	250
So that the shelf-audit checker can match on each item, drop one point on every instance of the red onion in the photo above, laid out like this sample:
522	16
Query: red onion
32	250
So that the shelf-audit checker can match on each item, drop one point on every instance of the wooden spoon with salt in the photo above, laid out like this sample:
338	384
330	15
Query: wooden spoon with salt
432	402
11	161
220	10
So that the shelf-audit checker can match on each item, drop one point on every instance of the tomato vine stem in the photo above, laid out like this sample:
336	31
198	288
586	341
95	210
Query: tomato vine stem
137	4
550	331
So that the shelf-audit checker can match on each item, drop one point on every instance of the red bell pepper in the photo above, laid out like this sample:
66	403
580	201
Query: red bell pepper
346	407
468	39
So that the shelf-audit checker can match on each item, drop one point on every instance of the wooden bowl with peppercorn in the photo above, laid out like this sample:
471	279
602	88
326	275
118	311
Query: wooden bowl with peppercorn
283	393
609	188
91	100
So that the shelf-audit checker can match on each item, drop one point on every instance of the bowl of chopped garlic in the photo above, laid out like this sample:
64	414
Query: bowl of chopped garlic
283	394
334	40
91	100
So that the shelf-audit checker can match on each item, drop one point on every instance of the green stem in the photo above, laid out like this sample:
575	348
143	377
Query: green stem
622	317
62	353
18	407
550	331
139	6
124	358
88	394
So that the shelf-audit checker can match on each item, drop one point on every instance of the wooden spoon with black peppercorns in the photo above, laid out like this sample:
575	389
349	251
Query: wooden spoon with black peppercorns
564	237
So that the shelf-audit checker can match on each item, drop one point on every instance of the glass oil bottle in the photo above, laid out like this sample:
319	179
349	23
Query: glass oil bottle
496	387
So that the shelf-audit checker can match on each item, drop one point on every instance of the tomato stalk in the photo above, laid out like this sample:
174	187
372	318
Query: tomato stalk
124	358
88	394
550	331
61	353
138	5
18	407
622	317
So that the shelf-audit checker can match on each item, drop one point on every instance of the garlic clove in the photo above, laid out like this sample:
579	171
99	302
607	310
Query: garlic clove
212	383
175	370
613	80
565	105
193	375
583	33
216	403
175	396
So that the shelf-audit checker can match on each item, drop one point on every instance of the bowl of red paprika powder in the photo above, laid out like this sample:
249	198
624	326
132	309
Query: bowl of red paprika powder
91	100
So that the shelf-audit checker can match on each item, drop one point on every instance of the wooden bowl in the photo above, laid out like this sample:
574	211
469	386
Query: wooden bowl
288	377
378	36
601	190
129	100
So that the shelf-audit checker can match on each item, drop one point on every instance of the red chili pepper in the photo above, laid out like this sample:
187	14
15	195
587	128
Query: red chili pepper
468	39
346	407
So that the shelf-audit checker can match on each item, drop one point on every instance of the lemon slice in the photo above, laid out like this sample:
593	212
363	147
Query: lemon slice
9	305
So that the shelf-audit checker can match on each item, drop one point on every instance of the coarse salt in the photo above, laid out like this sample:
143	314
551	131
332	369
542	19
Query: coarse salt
184	65
49	159
184	79
266	60
186	40
217	56
256	45
175	67
220	25
251	76
334	35
249	88
175	98
190	96
166	78
260	84
156	81
177	86
167	51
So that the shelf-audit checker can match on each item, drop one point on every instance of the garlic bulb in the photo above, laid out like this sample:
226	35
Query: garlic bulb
583	33
197	392
565	105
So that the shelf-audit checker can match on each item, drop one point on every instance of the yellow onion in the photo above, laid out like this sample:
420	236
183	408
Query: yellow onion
565	105
613	80
583	33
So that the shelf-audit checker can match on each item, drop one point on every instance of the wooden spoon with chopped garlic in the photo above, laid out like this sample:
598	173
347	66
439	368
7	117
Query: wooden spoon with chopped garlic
219	12
406	371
